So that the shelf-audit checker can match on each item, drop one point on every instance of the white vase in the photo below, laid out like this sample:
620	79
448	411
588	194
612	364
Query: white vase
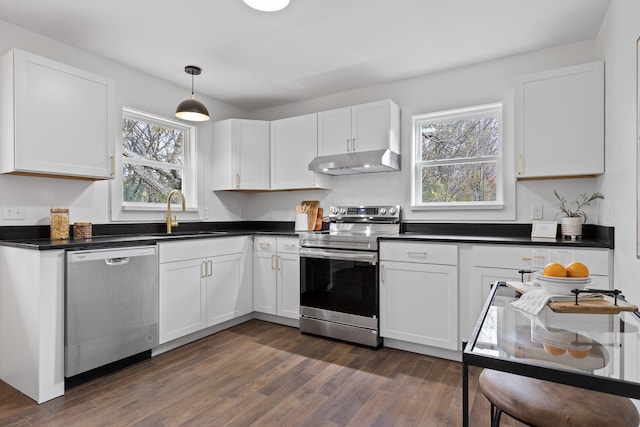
571	226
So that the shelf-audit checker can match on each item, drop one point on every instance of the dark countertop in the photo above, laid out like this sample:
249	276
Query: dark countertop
419	237
118	235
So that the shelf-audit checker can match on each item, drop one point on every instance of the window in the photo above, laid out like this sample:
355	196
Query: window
457	158
157	157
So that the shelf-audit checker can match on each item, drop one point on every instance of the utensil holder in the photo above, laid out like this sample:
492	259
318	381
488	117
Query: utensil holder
302	222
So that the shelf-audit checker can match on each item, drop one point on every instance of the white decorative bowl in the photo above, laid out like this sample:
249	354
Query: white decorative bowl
560	285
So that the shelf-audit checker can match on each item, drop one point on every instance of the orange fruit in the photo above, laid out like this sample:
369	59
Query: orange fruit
552	349
578	354
554	269
577	269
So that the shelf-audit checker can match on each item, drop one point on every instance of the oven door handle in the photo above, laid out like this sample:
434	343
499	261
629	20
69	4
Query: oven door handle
368	257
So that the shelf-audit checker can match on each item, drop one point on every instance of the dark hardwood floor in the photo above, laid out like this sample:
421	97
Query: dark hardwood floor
263	374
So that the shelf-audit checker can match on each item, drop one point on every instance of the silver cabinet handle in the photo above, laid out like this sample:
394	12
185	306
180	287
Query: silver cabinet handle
417	254
273	261
353	145
237	180
203	269
278	263
209	268
348	146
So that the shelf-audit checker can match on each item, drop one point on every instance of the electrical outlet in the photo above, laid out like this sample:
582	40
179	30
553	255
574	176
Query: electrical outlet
205	213
536	211
13	212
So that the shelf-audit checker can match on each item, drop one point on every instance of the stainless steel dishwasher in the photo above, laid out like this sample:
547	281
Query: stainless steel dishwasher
111	306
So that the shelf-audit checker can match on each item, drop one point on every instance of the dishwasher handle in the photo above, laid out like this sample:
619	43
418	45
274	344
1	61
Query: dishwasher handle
117	261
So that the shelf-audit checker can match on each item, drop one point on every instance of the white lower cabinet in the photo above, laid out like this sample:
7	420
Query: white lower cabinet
203	283
419	293
491	263
276	286
183	306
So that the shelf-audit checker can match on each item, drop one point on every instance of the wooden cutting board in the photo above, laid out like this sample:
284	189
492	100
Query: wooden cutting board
312	214
318	225
596	306
599	306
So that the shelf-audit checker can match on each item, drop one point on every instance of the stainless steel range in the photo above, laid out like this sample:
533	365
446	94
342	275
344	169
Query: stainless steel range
339	288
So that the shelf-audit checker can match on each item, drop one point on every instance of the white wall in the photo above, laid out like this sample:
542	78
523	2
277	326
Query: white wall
482	83
474	85
89	201
617	45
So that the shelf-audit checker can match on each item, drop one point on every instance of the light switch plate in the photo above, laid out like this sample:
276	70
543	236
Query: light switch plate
13	212
536	211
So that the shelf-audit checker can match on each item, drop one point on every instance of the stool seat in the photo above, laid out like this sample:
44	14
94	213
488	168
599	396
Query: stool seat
543	403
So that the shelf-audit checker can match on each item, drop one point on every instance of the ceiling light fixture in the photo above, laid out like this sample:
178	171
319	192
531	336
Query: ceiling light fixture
267	5
190	109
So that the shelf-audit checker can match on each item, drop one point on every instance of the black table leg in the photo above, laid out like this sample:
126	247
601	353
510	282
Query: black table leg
465	389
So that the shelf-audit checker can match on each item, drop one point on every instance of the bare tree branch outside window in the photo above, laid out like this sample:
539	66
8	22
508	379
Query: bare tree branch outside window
458	157
153	160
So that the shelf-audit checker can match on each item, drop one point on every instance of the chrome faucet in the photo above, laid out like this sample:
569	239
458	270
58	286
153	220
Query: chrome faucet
173	222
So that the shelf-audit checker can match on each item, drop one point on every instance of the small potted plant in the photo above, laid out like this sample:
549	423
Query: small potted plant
573	213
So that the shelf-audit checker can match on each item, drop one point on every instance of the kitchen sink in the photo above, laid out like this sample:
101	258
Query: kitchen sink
179	234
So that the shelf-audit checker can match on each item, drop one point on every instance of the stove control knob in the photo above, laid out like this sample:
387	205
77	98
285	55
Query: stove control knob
334	211
343	211
382	211
392	211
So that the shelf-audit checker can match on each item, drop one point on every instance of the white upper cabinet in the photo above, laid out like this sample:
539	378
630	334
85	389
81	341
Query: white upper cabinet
560	122
364	127
293	146
55	120
240	155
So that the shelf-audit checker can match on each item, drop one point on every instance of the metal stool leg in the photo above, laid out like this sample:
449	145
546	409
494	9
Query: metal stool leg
496	413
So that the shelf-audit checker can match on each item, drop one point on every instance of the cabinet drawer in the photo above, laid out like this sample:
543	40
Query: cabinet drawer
428	253
201	248
288	245
265	244
519	257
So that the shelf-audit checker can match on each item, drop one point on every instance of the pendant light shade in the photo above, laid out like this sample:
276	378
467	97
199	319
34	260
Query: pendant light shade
267	5
190	109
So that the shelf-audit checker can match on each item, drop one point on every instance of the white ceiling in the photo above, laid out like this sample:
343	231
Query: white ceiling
312	48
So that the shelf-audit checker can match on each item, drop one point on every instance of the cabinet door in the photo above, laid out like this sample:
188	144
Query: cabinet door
251	155
334	131
240	155
485	277
294	143
288	285
560	122
264	282
226	297
183	308
370	127
419	303
52	135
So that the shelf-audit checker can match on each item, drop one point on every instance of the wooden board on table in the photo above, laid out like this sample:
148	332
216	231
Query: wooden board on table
589	306
312	213
522	287
599	306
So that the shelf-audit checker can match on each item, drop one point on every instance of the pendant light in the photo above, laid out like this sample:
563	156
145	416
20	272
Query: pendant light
190	109
267	5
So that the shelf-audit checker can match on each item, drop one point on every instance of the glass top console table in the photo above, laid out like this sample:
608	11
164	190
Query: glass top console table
593	351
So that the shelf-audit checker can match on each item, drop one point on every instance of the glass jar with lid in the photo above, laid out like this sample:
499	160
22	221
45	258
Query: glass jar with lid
59	223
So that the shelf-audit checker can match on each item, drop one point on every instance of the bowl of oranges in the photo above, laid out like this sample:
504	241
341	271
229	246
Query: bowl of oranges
560	280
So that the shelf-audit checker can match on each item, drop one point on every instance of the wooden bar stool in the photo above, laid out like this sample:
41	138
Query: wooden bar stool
542	403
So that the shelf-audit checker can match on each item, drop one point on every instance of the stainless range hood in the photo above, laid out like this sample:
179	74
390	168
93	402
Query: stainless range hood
355	163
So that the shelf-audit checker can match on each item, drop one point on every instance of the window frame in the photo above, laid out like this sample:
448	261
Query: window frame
418	120
189	168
